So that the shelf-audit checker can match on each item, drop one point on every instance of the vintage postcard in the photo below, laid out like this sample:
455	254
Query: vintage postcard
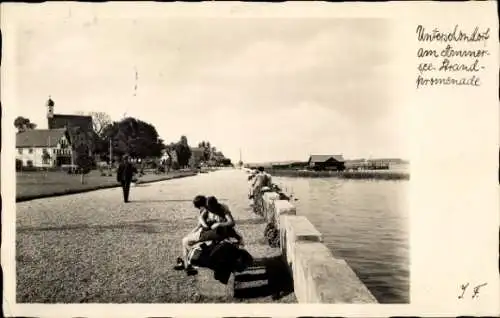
250	159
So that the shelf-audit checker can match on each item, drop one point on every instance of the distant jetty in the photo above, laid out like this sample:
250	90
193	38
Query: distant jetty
325	166
363	174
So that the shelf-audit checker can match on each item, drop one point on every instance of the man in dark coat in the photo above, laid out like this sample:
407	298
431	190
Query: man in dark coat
124	176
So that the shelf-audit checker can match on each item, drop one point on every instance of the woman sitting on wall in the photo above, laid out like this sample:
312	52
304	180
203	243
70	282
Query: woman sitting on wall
215	223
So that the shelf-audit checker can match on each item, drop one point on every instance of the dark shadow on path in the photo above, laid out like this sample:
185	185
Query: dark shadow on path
159	201
167	200
266	277
143	226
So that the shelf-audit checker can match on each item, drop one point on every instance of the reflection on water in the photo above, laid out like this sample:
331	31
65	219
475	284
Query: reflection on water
365	223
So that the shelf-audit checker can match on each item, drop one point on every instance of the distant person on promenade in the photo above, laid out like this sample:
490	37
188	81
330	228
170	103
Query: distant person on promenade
251	180
253	174
262	179
124	176
215	223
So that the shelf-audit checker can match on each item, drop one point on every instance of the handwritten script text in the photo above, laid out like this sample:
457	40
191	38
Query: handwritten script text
475	290
451	57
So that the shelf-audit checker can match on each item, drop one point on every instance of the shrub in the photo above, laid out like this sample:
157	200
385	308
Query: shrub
175	166
19	164
153	165
272	235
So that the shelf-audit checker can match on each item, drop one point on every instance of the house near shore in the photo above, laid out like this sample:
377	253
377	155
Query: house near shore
356	164
52	147
374	164
43	148
326	162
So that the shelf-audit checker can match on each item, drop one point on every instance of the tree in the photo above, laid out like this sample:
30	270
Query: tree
170	150
213	150
99	121
19	164
207	152
132	136
226	162
81	148
23	124
183	151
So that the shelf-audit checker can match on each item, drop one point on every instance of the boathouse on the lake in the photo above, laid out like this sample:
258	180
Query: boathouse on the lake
326	162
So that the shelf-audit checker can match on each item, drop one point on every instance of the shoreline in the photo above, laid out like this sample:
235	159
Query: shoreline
95	187
361	175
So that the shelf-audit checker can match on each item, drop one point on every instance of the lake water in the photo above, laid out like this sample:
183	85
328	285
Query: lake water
364	222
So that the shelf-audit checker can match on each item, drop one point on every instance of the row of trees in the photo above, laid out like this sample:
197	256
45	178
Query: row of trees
130	136
208	150
182	151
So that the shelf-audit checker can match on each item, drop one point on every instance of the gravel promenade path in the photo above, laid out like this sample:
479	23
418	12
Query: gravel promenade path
93	248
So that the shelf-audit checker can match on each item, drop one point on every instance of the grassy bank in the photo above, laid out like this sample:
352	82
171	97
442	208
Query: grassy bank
373	175
38	184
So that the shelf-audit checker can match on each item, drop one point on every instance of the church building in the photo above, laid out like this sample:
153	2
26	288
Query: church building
71	122
52	147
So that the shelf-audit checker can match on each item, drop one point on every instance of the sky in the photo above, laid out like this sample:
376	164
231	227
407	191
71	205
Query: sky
277	88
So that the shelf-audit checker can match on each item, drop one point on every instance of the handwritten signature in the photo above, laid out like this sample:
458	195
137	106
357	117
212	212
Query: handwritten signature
475	290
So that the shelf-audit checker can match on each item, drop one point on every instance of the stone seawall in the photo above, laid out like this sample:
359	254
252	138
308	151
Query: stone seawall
318	276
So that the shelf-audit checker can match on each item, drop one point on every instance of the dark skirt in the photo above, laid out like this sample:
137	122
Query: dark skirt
218	234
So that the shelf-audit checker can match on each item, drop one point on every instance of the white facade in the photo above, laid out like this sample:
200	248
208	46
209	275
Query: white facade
165	156
34	156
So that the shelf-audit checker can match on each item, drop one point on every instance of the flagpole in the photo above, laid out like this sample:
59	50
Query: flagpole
110	156
241	162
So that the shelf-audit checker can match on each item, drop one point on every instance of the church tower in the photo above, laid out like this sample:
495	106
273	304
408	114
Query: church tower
50	108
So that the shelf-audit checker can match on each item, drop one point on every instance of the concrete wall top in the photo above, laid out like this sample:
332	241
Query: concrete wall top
270	196
298	228
284	207
330	280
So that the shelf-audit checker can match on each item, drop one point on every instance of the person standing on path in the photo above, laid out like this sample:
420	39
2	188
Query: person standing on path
261	179
124	176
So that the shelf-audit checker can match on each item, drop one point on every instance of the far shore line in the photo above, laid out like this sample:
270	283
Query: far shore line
360	174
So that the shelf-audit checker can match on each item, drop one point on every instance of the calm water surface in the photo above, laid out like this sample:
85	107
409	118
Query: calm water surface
364	222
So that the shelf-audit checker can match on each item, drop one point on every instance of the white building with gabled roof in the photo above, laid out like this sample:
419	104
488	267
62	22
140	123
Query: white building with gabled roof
43	148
